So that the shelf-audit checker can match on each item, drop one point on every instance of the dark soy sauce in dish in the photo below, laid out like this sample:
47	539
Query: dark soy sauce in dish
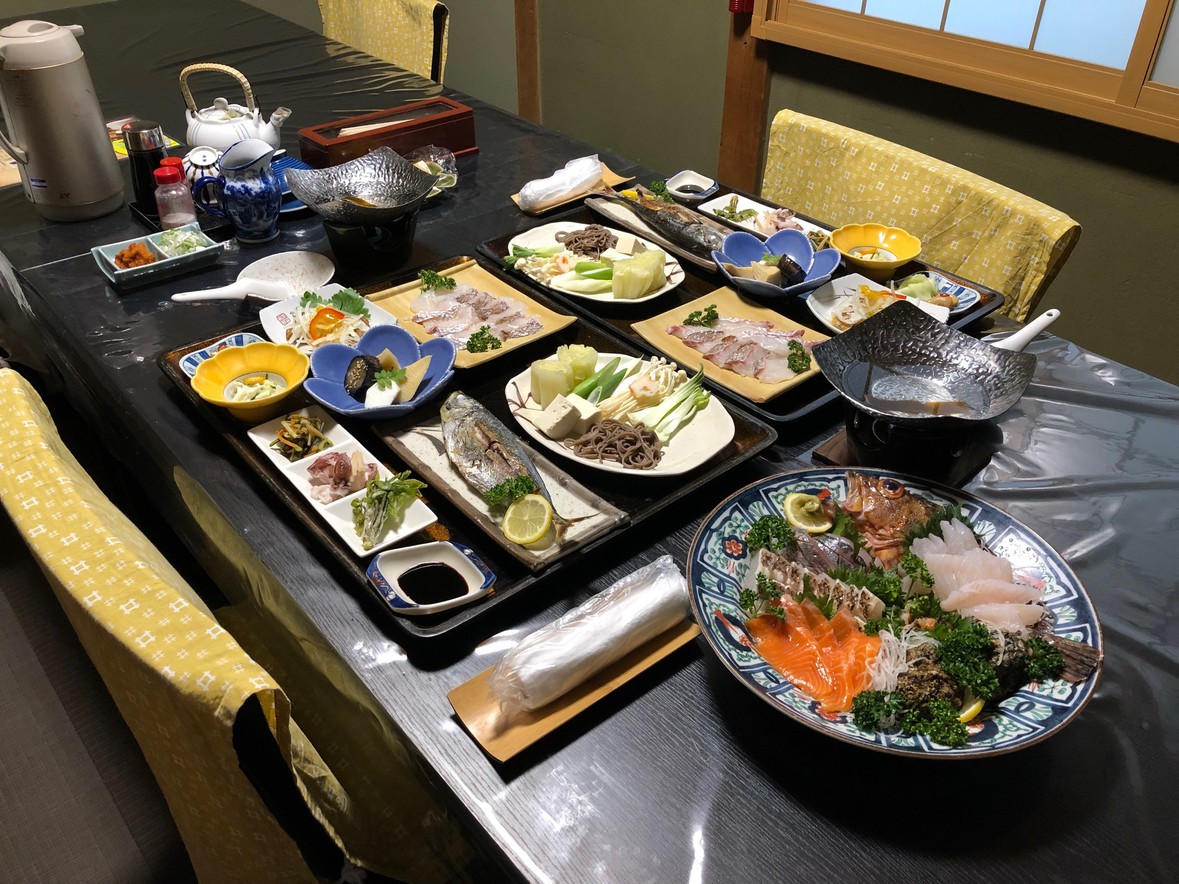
432	582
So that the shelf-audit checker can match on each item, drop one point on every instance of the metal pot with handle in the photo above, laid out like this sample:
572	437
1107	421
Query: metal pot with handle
905	366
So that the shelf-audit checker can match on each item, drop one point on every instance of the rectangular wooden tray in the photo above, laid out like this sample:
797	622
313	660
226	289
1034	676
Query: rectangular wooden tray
792	405
640	500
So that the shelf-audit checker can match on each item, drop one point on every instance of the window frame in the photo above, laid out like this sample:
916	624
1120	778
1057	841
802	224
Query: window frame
1126	99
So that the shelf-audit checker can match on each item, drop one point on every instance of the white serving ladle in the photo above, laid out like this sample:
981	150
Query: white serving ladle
273	278
1020	339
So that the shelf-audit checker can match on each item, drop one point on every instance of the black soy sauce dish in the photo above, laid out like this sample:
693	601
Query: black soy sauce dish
430	577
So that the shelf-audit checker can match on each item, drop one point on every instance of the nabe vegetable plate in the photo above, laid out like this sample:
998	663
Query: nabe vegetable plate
700	439
338	513
278	318
544	235
719	558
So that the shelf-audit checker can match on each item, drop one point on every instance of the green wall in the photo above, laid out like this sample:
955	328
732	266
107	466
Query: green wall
1117	291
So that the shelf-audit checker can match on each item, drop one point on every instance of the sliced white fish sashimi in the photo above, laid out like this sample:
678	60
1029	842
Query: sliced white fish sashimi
749	348
458	313
975	582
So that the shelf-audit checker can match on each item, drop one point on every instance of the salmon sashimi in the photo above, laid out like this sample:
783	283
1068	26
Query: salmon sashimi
828	659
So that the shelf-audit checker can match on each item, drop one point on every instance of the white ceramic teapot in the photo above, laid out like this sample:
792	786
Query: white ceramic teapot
223	124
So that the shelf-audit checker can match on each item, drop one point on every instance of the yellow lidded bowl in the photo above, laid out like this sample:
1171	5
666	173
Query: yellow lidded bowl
875	250
255	365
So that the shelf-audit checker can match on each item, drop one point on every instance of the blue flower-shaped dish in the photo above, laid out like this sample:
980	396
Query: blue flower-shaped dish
330	362
742	249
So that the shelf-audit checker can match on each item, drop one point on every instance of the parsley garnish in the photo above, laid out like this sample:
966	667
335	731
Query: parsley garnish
1043	660
933	525
799	359
756	602
885	585
386	379
706	317
483	340
913	565
660	191
769	532
345	300
507	492
435	281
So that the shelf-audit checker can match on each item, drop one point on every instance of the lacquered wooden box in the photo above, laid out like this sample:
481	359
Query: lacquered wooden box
438	121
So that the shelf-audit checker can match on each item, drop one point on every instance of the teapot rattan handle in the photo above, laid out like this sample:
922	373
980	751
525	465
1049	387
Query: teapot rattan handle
219	69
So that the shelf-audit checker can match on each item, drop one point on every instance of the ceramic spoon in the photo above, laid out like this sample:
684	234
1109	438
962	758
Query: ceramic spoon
1020	339
273	278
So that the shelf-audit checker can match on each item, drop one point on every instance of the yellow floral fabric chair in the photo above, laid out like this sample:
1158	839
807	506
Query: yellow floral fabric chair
967	225
412	34
200	708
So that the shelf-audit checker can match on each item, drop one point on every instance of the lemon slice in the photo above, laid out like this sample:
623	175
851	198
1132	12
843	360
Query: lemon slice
969	711
805	512
528	519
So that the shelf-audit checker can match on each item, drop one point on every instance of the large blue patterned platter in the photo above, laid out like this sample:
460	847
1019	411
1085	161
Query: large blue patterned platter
719	559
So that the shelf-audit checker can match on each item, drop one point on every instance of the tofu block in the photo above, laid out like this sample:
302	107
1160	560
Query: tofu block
558	420
588	414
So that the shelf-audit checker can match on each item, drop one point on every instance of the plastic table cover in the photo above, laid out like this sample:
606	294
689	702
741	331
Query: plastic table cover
682	774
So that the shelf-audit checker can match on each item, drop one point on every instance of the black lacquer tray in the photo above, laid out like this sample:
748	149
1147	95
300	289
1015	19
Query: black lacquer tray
640	498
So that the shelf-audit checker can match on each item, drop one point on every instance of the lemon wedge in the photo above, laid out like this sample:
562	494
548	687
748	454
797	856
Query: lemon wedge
805	512
528	519
969	711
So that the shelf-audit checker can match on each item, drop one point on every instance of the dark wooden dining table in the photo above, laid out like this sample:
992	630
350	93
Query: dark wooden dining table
682	774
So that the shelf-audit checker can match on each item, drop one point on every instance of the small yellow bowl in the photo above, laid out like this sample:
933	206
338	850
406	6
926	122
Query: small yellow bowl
259	359
892	246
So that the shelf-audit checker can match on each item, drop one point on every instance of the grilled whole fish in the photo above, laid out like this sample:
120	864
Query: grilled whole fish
482	449
680	226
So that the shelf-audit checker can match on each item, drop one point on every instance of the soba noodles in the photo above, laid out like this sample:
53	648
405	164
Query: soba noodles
590	241
636	448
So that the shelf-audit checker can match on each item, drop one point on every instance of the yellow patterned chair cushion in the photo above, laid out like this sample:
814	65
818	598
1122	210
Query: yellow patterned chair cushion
180	679
400	31
967	225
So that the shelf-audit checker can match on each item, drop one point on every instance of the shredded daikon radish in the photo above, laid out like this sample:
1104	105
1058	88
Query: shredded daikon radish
893	658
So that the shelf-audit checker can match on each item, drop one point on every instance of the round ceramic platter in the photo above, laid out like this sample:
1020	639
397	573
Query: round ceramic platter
699	440
719	559
544	235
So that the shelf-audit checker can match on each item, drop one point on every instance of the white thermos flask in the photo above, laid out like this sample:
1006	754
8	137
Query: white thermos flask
56	131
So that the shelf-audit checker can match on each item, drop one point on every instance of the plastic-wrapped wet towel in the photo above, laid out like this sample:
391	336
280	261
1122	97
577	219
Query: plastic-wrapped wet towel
558	657
577	177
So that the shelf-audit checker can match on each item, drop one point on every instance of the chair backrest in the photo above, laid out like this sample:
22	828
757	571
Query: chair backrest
968	225
177	677
412	34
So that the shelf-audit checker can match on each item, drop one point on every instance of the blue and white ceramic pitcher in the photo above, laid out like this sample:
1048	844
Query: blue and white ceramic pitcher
248	191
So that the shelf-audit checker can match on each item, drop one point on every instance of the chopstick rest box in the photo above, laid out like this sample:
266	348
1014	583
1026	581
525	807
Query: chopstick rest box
437	120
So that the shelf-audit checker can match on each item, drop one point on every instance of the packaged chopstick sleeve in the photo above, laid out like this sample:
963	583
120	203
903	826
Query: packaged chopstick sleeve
558	657
577	177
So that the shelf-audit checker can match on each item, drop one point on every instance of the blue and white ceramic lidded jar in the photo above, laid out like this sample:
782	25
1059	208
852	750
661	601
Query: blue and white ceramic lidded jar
248	191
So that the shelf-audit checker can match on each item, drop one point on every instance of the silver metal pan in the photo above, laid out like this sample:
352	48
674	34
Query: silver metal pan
904	365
